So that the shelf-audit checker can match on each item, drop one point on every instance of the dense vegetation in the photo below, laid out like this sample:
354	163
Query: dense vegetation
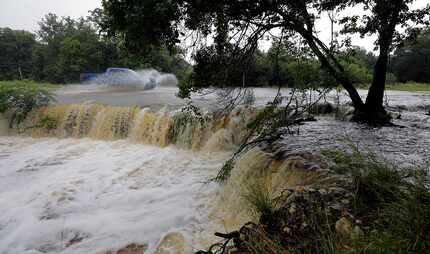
375	207
63	48
236	27
393	203
19	98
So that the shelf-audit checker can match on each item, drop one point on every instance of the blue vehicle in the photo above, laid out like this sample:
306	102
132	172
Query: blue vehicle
119	77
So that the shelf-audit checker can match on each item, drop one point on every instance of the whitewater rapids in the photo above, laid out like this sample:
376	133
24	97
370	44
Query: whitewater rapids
87	196
105	176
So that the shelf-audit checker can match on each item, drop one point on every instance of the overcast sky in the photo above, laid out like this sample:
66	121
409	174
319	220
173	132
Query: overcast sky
25	14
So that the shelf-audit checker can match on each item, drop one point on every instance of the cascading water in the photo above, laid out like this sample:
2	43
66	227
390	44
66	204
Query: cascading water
88	196
63	195
151	128
63	191
160	128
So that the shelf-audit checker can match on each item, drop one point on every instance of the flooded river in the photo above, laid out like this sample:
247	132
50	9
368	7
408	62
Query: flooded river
117	182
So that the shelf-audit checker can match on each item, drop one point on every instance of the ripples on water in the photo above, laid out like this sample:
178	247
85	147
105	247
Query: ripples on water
100	195
410	142
85	196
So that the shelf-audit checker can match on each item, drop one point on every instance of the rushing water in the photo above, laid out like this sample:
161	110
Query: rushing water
63	192
86	196
105	176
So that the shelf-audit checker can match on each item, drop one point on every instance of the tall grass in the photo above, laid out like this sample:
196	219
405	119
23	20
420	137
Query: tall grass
258	196
45	85
390	206
392	202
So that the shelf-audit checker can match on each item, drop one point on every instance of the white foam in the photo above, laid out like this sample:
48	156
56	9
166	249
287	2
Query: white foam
109	194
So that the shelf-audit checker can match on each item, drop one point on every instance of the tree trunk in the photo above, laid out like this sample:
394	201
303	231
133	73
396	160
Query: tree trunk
337	74
373	111
375	97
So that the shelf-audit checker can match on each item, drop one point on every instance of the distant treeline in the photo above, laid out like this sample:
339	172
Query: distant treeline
293	64
63	48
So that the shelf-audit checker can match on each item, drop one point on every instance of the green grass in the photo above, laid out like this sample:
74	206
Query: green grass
390	206
18	98
258	195
410	87
44	85
392	202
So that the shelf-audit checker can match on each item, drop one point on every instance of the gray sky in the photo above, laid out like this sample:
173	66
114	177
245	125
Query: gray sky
25	14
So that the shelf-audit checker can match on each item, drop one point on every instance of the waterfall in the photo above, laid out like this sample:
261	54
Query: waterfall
151	128
113	123
138	125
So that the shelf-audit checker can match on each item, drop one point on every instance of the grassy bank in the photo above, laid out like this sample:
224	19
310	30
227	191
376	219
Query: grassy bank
18	98
407	87
410	87
364	204
44	85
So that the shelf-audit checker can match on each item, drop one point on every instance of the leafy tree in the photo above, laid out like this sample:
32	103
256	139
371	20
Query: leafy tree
160	22
412	62
20	98
16	49
68	47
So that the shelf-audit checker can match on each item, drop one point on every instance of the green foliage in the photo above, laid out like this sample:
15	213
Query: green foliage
410	62
258	195
236	27
185	83
225	171
283	65
47	122
16	49
226	70
393	203
185	124
153	24
67	47
409	86
20	97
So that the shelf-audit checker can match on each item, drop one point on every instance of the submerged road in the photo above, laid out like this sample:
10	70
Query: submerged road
166	96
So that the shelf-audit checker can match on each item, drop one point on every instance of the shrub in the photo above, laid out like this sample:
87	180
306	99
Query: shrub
20	97
392	202
258	195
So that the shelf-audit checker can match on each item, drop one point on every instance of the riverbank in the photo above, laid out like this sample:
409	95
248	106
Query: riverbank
335	202
45	85
106	163
406	87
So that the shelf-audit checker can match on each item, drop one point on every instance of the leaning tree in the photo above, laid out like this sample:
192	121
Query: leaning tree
237	26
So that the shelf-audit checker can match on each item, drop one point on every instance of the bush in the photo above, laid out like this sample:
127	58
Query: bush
392	202
374	206
258	196
18	98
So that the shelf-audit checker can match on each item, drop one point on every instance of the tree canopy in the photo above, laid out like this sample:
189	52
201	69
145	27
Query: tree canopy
237	26
412	61
63	47
16	49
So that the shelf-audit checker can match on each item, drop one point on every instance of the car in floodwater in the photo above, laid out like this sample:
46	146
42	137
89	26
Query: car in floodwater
119	77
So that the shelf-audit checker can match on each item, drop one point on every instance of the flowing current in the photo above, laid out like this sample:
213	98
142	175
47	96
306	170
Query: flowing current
90	178
97	178
87	196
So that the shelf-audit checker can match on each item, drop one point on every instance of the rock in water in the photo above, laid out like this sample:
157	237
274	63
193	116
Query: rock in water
132	249
172	243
